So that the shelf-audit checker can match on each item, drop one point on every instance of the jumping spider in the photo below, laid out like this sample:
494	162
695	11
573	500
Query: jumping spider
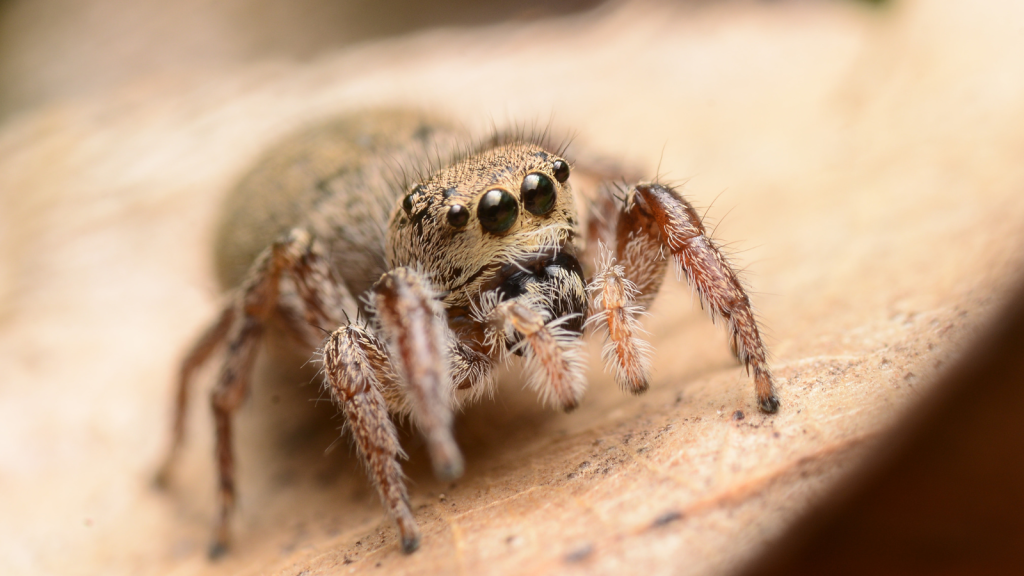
427	264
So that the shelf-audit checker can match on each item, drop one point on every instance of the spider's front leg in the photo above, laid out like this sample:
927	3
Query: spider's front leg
357	370
413	321
654	220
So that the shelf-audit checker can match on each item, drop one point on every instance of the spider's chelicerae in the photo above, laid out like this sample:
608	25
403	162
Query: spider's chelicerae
428	263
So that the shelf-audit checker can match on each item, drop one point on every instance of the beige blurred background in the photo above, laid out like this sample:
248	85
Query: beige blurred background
864	165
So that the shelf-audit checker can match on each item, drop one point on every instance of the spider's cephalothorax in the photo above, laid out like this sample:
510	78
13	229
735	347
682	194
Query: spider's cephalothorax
487	254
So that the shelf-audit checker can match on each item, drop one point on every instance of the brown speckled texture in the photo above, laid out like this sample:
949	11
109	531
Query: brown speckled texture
869	165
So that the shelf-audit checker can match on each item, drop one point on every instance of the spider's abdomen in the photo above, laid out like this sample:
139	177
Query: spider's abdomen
339	180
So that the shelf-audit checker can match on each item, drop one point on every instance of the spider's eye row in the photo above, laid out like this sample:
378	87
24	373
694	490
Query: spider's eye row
458	215
538	192
561	168
497	211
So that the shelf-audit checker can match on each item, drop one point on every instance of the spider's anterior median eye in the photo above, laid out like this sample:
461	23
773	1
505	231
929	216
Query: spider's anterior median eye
538	193
497	211
561	170
458	215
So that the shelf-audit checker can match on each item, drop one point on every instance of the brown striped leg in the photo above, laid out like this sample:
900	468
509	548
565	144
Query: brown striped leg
414	323
658	218
357	370
196	357
323	299
227	396
614	311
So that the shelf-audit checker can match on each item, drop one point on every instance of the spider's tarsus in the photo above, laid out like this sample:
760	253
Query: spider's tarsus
217	550
639	388
450	468
769	405
162	479
410	543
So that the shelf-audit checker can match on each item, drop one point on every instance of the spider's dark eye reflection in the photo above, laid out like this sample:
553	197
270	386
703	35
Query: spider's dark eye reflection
561	170
538	193
497	211
458	215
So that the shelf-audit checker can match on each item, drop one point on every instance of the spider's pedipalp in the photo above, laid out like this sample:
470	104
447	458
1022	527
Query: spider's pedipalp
472	371
554	355
614	312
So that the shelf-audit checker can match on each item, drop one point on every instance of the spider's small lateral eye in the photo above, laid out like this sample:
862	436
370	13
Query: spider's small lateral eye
561	168
458	215
410	199
538	193
497	211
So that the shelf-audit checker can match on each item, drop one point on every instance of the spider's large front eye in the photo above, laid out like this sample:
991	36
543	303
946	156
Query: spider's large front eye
497	211
538	193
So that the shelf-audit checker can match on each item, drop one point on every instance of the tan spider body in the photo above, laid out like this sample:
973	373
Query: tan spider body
428	264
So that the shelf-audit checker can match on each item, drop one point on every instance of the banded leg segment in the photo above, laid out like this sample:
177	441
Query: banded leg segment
195	359
614	311
357	370
258	298
242	324
413	321
657	216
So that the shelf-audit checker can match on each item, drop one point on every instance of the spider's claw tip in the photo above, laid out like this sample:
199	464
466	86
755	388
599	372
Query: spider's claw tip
449	471
450	467
161	480
638	388
769	405
217	550
410	543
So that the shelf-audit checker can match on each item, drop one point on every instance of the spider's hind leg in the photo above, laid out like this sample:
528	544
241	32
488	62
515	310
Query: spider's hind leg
241	327
197	356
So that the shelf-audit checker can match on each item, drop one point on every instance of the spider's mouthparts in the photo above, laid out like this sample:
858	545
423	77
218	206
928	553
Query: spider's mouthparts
556	277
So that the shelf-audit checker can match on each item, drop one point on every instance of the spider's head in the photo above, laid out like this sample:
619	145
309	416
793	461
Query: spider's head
502	219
